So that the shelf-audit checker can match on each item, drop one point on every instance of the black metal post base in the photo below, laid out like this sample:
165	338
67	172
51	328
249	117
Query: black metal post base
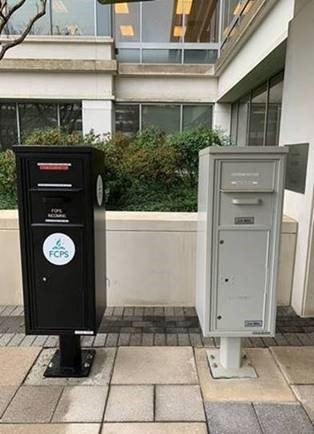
70	360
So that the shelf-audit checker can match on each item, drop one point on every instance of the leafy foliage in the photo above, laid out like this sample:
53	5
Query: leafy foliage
150	171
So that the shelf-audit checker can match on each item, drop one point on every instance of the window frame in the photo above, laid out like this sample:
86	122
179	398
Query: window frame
181	108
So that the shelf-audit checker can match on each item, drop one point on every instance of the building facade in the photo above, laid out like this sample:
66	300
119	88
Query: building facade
244	66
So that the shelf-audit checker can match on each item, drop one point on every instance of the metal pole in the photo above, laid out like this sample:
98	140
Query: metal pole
230	353
70	352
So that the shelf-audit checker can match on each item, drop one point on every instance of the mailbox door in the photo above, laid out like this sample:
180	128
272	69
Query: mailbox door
242	279
58	286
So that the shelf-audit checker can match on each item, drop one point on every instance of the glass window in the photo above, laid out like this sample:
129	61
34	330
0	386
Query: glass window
8	125
162	56
127	22
165	117
274	110
127	118
70	115
230	10
201	20
103	14
128	55
258	116
37	115
161	22
73	17
243	115
200	56
197	115
24	14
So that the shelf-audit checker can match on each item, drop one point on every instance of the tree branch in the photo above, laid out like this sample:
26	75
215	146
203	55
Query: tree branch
5	46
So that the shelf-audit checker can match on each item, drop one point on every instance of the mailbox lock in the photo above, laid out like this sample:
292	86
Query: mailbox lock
221	241
219	317
44	279
226	280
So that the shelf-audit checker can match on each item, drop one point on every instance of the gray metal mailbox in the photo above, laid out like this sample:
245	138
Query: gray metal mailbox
240	213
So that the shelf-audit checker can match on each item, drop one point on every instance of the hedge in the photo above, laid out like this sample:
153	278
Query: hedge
150	171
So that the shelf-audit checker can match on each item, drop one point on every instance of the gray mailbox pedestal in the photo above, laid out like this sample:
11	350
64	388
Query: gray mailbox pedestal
239	219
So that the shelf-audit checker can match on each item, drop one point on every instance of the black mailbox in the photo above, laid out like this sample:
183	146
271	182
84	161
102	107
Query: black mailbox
62	234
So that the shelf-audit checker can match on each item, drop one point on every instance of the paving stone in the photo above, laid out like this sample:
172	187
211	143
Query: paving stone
87	341
81	404
231	418
269	386
257	342
179	312
160	339
6	394
148	339
15	363
196	340
305	395
18	311
169	311
130	404
99	376
184	339
296	363
52	342
154	428
280	339
292	339
305	339
109	311
154	365
32	404
52	428
112	339
136	339
171	339
16	340
149	311
179	403
128	311
27	341
5	339
159	311
283	419
138	311
189	311
118	311
8	310
124	339
269	342
100	340
40	341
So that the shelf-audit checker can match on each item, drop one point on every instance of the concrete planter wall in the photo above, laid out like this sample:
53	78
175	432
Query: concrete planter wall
150	259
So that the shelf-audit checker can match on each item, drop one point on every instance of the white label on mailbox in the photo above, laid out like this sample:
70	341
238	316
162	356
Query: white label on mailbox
99	190
59	249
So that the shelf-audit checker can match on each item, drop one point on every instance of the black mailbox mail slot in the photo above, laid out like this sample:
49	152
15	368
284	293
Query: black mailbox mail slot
61	208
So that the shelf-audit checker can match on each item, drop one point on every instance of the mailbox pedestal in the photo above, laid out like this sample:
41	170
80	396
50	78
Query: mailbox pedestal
62	234
239	220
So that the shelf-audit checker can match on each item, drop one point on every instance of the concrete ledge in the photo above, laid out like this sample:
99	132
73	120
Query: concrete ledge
150	258
58	65
166	70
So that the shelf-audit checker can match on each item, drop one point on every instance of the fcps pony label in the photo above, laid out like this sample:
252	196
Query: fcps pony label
59	249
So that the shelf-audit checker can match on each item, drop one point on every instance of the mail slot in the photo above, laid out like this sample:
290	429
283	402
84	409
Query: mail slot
62	233
239	219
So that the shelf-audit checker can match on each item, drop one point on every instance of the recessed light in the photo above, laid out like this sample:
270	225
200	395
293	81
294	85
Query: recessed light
179	31
121	8
184	7
127	31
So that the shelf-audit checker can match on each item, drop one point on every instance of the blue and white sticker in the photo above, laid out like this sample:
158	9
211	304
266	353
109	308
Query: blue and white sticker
59	249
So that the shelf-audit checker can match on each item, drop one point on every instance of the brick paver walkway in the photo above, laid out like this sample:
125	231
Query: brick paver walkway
151	376
150	326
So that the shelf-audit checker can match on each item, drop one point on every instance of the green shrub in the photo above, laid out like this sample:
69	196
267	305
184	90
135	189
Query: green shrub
7	180
150	171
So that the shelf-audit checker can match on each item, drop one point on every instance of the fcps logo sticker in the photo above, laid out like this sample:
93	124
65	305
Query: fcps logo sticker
59	249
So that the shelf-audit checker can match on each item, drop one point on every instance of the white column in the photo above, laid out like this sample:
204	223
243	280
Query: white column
230	353
297	126
97	116
222	117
